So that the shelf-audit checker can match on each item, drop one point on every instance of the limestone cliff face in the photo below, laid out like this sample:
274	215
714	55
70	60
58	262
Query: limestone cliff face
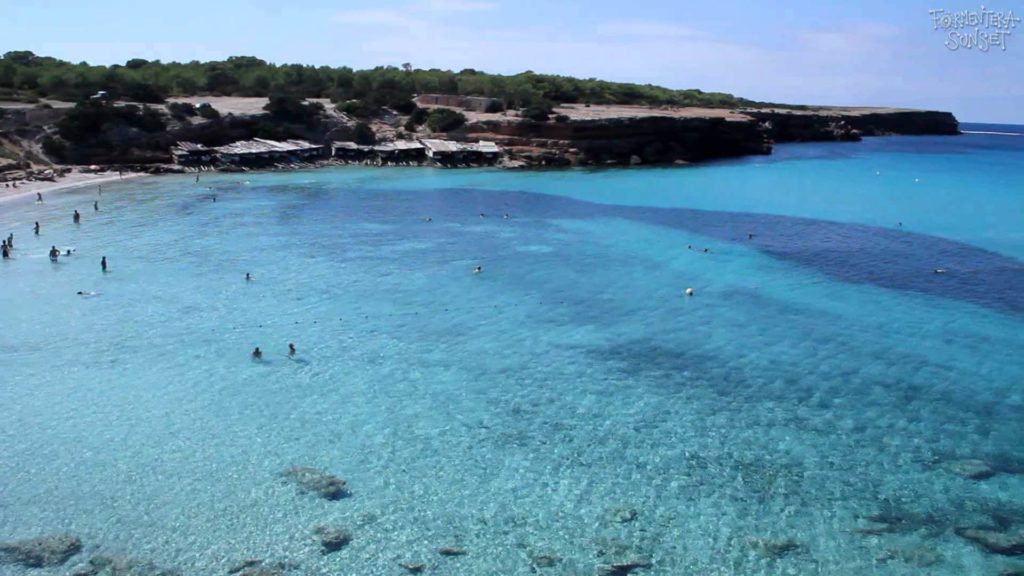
638	140
825	125
662	139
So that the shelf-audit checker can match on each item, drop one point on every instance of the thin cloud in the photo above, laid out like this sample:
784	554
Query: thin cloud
374	17
646	29
456	5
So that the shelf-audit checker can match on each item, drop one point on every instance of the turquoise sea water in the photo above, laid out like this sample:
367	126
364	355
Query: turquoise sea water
820	376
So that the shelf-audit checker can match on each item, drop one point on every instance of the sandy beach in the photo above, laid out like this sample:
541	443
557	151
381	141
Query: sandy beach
72	180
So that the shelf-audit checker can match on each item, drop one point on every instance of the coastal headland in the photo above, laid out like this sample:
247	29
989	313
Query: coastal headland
245	114
582	135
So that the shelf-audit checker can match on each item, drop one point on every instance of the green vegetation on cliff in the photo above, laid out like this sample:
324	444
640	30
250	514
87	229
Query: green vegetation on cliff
26	76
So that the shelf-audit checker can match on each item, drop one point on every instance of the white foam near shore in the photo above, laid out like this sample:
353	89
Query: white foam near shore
991	132
72	180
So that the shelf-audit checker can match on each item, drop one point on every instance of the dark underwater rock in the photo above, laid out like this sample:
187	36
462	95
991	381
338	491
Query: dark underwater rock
969	468
332	538
922	556
774	549
623	515
101	565
313	481
1007	543
257	567
623	568
42	552
544	559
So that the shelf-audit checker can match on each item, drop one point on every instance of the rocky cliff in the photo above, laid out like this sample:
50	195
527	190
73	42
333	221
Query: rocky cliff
659	136
850	124
635	140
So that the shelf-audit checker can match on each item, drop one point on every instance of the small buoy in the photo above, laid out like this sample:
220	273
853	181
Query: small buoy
689	291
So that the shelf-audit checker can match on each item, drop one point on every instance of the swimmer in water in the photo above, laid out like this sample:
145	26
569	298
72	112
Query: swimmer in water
39	197
257	354
6	252
506	216
54	253
705	250
36	228
86	294
940	270
291	349
68	253
103	263
689	246
248	277
478	269
76	218
96	206
10	240
750	236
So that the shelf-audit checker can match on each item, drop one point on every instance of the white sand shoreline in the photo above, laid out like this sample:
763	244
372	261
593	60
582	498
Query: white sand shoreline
72	180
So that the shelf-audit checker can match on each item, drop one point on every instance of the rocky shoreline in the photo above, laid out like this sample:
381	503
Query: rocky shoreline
578	136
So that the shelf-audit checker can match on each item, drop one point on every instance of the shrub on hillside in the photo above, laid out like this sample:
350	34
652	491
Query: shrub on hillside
181	110
290	108
90	118
403	106
536	113
54	148
363	134
358	109
208	112
445	120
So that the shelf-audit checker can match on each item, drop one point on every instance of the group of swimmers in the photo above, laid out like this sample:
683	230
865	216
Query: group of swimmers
7	245
257	354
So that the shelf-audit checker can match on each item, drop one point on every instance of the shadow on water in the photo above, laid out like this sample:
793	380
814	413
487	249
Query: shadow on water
854	253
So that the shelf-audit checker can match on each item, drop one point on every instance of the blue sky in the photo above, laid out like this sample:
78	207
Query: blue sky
804	51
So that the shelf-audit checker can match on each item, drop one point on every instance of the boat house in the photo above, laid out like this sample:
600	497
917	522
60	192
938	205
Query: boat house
192	154
259	151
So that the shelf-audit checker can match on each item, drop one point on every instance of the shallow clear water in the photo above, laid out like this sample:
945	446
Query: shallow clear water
821	373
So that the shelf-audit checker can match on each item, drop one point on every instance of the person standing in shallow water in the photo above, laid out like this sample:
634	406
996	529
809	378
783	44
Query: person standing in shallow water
257	354
36	228
96	205
291	349
103	263
77	218
54	253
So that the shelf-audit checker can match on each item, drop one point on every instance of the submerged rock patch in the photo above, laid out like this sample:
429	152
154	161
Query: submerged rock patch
332	538
774	549
42	552
313	481
969	468
1007	543
101	565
